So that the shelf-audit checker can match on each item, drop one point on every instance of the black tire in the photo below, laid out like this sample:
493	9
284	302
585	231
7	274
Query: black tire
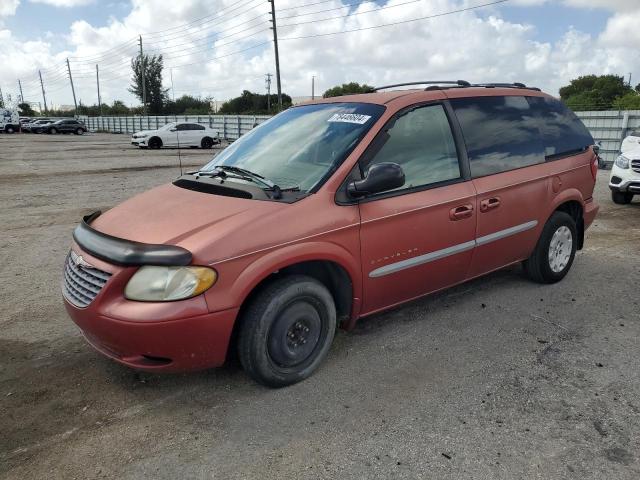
207	142
9	129
52	130
79	131
154	143
286	331
621	198
539	266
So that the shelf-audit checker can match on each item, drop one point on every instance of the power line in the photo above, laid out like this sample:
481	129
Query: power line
475	7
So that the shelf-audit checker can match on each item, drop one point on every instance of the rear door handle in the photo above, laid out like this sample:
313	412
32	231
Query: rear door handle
489	204
461	211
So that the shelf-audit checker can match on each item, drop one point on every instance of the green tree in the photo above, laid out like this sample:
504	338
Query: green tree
188	105
156	96
253	103
25	110
630	101
594	92
347	89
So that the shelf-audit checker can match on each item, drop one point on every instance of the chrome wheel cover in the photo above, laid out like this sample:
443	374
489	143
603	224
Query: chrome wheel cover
560	249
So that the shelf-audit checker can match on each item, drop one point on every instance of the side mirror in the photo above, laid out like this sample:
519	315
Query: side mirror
381	177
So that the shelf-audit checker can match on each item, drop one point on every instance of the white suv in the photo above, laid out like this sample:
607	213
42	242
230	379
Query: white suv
625	176
177	135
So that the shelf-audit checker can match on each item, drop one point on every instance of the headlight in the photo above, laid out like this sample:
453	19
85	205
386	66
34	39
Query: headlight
163	284
622	162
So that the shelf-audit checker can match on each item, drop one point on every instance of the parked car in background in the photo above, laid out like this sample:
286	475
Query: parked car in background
37	126
624	180
182	134
332	211
65	126
630	142
9	120
24	121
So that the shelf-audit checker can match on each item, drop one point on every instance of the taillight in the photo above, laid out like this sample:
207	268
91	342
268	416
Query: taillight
594	167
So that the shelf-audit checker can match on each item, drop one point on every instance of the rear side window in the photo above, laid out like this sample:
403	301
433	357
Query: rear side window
421	142
501	133
561	130
195	126
182	127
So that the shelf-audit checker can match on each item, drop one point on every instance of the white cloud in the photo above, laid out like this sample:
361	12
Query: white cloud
64	3
8	7
479	46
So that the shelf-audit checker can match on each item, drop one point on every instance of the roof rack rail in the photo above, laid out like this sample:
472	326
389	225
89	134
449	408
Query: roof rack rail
505	85
459	83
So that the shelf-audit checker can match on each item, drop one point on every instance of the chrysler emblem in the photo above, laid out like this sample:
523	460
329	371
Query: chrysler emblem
79	261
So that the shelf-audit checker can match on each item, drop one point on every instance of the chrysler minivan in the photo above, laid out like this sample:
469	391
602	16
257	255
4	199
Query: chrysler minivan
329	212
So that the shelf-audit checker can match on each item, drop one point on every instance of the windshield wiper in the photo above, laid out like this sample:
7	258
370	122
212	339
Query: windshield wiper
244	174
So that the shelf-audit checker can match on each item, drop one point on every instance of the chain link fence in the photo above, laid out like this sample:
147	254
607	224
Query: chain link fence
229	127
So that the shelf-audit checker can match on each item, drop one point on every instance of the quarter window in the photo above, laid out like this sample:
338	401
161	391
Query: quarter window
562	131
500	133
421	142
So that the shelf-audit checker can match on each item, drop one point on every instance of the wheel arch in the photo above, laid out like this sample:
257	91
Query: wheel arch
571	202
328	263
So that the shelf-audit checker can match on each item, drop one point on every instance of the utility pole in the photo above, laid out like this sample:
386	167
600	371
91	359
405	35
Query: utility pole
1	98
173	91
44	97
98	84
313	87
275	45
73	90
20	87
267	82
142	75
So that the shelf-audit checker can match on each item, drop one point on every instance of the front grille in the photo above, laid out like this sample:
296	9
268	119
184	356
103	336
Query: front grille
635	165
81	282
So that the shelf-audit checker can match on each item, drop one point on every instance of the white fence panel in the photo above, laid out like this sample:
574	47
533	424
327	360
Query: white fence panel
229	127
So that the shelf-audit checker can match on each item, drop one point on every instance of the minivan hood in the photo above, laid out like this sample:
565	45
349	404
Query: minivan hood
176	216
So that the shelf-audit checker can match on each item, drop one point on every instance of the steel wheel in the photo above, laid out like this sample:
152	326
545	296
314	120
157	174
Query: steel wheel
560	249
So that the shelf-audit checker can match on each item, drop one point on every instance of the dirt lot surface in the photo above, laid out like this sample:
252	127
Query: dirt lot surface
499	378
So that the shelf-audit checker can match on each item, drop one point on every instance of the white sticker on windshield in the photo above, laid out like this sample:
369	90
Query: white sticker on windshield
349	118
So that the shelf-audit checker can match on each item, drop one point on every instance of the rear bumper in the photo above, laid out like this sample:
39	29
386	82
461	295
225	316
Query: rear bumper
591	209
193	343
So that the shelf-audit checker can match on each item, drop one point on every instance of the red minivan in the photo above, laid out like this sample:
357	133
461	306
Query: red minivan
329	212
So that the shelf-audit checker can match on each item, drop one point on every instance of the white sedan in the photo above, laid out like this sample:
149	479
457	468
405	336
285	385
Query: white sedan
177	135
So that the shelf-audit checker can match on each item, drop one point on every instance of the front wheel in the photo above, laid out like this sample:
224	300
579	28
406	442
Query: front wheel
621	198
555	251
79	131
286	331
206	142
53	130
9	129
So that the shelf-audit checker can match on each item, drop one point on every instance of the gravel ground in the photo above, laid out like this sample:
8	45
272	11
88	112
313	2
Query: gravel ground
499	378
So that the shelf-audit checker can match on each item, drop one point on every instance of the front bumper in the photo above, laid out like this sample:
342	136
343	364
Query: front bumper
185	344
139	142
624	180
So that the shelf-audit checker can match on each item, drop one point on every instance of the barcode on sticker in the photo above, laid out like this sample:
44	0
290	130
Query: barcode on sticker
349	118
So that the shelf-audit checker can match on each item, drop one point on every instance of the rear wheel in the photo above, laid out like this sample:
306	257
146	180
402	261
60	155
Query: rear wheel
555	251
286	331
621	198
155	142
206	142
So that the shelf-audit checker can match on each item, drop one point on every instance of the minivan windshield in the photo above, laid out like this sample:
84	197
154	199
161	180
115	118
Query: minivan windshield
302	146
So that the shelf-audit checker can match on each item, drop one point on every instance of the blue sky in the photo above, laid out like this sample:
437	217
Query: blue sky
540	42
551	19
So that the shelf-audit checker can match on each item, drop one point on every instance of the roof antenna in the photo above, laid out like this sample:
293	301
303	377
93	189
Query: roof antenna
179	157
